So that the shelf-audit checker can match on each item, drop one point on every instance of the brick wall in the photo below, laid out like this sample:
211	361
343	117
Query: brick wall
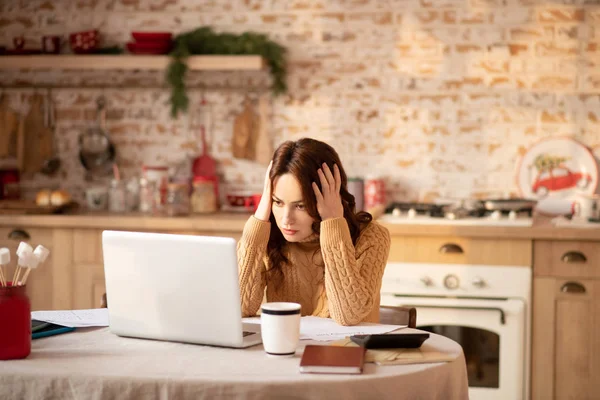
437	96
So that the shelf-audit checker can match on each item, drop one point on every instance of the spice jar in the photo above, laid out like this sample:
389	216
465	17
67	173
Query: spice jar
147	195
116	196
178	199
203	197
15	320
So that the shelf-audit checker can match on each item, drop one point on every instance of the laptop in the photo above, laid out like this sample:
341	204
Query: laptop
181	288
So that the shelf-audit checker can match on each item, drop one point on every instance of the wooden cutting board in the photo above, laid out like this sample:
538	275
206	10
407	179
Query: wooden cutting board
30	207
245	132
38	137
264	145
9	122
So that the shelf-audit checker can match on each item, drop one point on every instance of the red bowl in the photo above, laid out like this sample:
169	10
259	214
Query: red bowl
152	36
149	47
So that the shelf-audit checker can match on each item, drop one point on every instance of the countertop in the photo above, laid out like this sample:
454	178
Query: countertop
234	223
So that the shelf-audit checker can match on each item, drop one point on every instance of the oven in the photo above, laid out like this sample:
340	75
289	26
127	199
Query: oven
486	309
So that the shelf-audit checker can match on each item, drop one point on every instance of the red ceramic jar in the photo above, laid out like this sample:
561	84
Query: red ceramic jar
15	323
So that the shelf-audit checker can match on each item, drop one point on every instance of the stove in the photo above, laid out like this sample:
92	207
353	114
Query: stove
484	308
512	212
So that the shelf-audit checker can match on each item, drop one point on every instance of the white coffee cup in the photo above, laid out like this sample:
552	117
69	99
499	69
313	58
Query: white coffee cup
280	328
585	206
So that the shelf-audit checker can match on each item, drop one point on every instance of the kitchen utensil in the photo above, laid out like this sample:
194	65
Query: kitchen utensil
264	145
245	132
509	204
557	167
51	165
38	137
96	152
9	124
204	165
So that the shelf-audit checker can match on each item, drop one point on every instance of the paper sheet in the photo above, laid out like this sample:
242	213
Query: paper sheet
74	318
326	329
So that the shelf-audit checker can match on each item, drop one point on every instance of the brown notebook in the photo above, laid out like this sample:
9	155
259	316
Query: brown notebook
332	360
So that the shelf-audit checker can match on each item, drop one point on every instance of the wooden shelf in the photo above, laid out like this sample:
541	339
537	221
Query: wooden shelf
130	62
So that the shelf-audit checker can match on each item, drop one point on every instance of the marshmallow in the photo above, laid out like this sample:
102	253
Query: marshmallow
41	253
24	259
23	249
4	256
32	262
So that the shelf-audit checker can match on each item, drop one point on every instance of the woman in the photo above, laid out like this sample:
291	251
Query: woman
306	244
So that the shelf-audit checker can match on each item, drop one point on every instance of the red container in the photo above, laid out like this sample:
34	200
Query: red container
15	320
84	42
152	36
374	193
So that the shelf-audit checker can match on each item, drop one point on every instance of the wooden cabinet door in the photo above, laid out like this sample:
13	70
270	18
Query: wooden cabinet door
566	339
88	268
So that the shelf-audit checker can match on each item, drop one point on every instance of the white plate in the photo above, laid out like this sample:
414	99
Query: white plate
558	167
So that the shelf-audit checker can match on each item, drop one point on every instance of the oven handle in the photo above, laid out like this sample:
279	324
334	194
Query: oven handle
501	311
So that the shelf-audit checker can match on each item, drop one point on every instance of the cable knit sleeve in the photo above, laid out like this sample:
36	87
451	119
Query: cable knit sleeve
353	273
251	252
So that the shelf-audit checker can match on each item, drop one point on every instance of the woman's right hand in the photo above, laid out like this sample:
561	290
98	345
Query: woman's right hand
263	211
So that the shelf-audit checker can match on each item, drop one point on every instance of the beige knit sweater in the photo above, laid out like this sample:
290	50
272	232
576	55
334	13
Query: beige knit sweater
327	275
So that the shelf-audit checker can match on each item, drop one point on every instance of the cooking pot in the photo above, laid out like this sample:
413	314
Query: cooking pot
509	204
96	152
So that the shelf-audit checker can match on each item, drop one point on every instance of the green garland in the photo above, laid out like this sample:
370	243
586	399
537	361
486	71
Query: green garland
205	41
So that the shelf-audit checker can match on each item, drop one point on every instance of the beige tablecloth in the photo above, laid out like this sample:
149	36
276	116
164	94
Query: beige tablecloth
96	364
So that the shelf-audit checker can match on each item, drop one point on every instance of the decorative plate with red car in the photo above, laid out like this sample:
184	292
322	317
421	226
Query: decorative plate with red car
557	167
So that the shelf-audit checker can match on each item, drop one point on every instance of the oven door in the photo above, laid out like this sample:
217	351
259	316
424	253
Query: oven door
491	333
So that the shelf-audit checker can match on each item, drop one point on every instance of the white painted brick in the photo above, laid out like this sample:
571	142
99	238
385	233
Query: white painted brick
433	99
512	16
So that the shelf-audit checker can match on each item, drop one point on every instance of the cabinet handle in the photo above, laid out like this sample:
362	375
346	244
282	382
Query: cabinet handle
19	234
451	248
572	287
573	257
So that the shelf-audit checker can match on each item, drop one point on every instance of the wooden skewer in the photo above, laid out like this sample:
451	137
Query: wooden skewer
16	275
2	278
24	280
4	260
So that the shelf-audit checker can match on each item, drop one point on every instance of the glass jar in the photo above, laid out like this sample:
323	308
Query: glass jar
203	197
15	320
116	196
147	196
178	199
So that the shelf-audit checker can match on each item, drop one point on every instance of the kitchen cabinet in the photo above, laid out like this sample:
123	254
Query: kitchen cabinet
73	275
460	250
566	321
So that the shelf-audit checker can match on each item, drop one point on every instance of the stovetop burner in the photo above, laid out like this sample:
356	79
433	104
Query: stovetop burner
465	209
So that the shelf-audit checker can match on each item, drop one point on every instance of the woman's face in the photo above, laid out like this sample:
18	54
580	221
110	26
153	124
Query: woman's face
288	209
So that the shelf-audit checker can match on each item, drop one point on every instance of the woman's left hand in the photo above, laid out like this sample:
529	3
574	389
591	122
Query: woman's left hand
329	200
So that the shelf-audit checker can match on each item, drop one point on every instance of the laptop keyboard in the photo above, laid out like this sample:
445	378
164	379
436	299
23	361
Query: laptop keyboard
246	333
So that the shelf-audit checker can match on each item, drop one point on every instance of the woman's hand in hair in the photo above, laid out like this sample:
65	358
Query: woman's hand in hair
329	200
263	211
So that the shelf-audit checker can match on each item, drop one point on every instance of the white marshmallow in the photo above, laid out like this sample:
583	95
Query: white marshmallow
4	256
24	259
32	262
24	248
41	253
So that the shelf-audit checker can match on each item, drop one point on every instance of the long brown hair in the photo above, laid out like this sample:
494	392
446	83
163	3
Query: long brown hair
302	159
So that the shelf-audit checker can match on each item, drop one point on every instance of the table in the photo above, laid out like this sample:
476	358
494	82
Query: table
93	363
